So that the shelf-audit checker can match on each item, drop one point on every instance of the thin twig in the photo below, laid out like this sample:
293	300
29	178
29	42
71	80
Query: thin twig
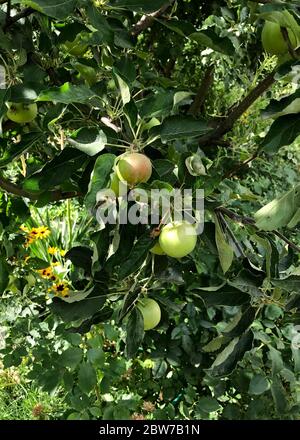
286	37
148	19
239	250
201	95
290	243
54	196
236	112
250	221
8	12
24	13
241	165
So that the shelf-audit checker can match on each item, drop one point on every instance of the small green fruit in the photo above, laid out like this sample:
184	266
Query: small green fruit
21	112
157	250
151	313
178	239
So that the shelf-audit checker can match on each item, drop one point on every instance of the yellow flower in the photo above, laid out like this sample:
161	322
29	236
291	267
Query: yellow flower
24	229
62	252
39	233
46	273
52	250
61	289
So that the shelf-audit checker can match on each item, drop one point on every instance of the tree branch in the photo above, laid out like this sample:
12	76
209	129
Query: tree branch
55	195
236	112
148	19
241	165
286	37
24	13
8	12
250	221
201	95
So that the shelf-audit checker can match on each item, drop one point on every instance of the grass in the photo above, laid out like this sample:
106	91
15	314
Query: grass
21	400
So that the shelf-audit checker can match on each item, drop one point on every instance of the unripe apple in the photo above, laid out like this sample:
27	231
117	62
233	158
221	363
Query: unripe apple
21	112
151	312
178	239
157	250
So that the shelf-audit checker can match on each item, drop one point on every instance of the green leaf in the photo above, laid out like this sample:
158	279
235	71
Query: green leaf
135	332
81	256
4	97
242	324
71	357
159	104
38	264
279	396
182	28
136	257
14	151
227	360
225	250
96	356
276	359
104	32
210	39
80	309
214	345
208	404
124	89
90	140
100	177
4	275
55	172
181	127
227	296
290	284
87	378
160	368
282	132
287	105
258	385
139	5
54	8
67	94
128	304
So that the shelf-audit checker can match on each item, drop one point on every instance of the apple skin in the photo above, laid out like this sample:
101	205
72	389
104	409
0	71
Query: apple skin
118	187
157	250
134	168
21	112
151	312
178	239
273	41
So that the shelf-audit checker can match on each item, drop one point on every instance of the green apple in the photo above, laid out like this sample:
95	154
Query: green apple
157	250
134	168
151	312
273	40
178	239
21	112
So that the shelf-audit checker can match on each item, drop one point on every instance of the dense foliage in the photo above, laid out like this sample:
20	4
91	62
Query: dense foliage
120	321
